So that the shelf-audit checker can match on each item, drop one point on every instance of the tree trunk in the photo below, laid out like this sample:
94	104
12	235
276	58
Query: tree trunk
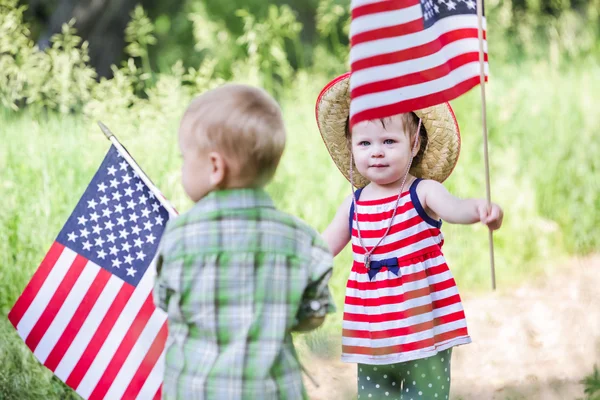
101	22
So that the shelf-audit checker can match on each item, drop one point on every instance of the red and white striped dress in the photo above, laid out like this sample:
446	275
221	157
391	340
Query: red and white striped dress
407	312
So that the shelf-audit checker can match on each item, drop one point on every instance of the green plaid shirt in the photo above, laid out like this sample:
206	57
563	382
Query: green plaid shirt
234	274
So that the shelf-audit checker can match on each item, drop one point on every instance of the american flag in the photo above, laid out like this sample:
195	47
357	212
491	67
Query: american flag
87	314
410	54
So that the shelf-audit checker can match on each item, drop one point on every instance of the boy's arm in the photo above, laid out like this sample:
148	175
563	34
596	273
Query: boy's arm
316	299
337	234
435	197
166	269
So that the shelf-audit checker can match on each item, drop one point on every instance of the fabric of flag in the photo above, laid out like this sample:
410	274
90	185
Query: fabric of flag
88	314
410	54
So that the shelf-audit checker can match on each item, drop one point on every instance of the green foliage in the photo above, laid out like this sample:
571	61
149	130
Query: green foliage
139	35
592	385
542	123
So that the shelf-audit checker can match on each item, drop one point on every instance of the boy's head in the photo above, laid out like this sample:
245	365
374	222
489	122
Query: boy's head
230	137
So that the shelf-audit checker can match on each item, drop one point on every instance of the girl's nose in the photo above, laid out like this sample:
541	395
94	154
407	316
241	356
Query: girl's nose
376	151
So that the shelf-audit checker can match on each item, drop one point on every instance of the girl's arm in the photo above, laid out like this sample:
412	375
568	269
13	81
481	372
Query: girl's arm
436	198
337	234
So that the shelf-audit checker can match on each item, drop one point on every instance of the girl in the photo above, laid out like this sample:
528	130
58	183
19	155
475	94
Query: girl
402	313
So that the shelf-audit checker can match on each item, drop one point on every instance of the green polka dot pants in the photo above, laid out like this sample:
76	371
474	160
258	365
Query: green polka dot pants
424	379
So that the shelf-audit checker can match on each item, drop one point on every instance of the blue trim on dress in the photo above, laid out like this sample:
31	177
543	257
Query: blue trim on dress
351	214
417	204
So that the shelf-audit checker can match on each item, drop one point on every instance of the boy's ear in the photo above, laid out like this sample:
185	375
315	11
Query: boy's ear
218	169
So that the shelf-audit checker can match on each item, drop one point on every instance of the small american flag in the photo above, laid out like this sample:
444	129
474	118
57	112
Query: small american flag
410	54
87	314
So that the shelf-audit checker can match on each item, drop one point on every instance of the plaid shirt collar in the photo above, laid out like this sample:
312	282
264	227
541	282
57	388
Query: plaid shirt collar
234	199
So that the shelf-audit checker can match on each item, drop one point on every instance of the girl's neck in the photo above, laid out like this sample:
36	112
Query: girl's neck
376	191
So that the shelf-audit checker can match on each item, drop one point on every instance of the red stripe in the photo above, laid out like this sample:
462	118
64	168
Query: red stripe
376	202
400	348
418	77
132	335
396	228
382	6
147	364
158	394
35	284
416	103
381	351
446	319
394	246
396	299
79	317
389	333
100	336
413	53
56	302
399	315
395	31
406	330
444	337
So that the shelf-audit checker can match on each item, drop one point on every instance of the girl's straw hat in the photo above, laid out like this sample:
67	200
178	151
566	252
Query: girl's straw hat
443	137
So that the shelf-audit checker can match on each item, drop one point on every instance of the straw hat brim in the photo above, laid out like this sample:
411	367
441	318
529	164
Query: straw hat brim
443	137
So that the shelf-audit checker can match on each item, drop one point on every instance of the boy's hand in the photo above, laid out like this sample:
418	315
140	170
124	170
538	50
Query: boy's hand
490	215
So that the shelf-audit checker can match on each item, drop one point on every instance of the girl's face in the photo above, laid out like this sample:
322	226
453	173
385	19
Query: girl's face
381	154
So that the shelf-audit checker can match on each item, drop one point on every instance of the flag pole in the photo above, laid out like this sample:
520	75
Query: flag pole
159	196
485	135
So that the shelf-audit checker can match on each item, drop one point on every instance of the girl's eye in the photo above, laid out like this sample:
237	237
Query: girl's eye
364	143
389	141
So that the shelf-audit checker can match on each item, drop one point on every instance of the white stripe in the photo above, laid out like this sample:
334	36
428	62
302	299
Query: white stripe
135	358
390	238
382	207
404	251
402	323
388	97
398	290
399	307
385	19
154	380
358	3
64	315
116	335
41	300
383	224
397	43
400	340
89	327
441	57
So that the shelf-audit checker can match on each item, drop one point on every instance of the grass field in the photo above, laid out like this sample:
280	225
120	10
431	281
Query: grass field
544	165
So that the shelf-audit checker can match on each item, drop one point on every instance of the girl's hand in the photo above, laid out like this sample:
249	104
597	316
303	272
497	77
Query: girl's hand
491	216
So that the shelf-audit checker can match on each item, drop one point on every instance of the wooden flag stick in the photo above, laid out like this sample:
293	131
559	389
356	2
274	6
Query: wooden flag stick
110	136
484	126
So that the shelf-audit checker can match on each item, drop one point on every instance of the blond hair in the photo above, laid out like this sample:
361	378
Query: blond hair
242	122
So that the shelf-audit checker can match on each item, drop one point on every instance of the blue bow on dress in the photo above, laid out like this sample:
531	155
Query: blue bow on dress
390	263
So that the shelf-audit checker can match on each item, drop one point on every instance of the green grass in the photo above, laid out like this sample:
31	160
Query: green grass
544	168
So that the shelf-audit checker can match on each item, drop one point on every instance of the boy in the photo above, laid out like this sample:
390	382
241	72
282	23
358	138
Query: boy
234	274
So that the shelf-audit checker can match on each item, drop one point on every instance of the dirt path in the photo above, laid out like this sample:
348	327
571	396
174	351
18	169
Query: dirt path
535	342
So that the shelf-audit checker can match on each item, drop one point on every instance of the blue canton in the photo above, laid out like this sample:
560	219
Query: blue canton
118	222
435	10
